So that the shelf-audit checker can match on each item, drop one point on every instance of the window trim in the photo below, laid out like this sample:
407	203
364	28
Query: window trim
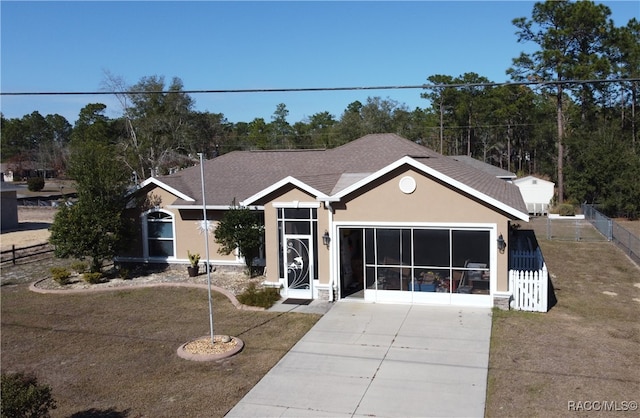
145	233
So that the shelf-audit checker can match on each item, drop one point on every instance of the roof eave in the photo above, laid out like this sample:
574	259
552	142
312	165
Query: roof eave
209	207
164	186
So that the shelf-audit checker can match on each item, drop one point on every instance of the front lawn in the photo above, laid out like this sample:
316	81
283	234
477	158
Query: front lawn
114	353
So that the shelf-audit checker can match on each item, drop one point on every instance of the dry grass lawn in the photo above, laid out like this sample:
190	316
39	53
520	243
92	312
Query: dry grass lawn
631	226
585	349
114	353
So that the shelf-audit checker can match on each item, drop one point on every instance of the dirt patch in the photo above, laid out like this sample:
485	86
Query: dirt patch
585	349
33	228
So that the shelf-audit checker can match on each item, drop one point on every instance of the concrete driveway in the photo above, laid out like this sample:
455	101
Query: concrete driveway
364	360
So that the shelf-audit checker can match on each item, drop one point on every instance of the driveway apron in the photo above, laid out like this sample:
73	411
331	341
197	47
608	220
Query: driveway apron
383	360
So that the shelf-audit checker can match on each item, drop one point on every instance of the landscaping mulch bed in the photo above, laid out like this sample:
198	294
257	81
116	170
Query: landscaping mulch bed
233	280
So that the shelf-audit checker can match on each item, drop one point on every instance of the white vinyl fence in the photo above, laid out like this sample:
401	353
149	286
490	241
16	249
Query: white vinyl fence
530	289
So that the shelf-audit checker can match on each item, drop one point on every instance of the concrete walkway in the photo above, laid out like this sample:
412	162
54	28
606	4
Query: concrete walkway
364	360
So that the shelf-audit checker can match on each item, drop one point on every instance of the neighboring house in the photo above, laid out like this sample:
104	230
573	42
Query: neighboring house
8	206
381	219
6	173
487	168
536	193
22	170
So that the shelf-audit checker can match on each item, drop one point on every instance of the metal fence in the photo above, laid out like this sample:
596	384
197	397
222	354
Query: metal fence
47	201
601	222
621	236
37	202
572	228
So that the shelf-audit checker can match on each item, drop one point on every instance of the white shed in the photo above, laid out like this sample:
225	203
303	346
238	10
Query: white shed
536	193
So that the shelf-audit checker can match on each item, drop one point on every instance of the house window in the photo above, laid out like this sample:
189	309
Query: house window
297	221
160	239
427	260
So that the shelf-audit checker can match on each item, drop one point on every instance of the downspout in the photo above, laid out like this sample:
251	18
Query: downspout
327	205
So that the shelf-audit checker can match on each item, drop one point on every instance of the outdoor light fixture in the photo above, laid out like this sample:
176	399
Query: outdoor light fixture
326	239
501	244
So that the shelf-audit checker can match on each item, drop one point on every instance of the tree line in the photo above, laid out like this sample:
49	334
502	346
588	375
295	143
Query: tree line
575	123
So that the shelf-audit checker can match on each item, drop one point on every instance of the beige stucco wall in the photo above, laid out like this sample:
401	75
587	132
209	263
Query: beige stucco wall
188	236
191	238
383	202
431	202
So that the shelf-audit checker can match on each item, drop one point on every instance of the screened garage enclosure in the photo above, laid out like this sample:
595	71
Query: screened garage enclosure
424	264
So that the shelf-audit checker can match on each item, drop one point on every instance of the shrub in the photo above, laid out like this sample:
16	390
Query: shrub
60	275
93	278
35	184
79	267
566	210
264	297
22	396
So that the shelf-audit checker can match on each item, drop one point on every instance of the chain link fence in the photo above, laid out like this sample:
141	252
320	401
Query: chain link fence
613	231
572	228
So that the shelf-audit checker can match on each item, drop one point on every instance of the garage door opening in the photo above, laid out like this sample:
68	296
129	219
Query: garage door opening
351	263
414	264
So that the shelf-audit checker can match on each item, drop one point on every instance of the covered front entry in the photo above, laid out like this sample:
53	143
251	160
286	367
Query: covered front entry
417	264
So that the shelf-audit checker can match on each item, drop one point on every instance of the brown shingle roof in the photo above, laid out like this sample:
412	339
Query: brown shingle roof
241	174
482	166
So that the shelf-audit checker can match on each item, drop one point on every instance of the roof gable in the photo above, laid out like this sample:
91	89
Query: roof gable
164	186
286	181
456	184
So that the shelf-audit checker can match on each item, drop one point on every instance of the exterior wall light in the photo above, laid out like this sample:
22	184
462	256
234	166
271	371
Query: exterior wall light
326	239
501	244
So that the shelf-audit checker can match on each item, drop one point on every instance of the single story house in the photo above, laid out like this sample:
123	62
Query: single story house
6	173
381	219
536	193
22	170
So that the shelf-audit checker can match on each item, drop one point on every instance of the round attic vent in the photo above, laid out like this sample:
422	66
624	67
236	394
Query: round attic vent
407	184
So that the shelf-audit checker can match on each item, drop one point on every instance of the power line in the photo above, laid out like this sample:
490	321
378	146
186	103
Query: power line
315	89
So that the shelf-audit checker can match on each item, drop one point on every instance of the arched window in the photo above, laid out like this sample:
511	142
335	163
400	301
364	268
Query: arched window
159	234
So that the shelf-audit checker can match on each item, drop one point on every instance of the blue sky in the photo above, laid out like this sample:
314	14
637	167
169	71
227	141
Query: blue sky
68	46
